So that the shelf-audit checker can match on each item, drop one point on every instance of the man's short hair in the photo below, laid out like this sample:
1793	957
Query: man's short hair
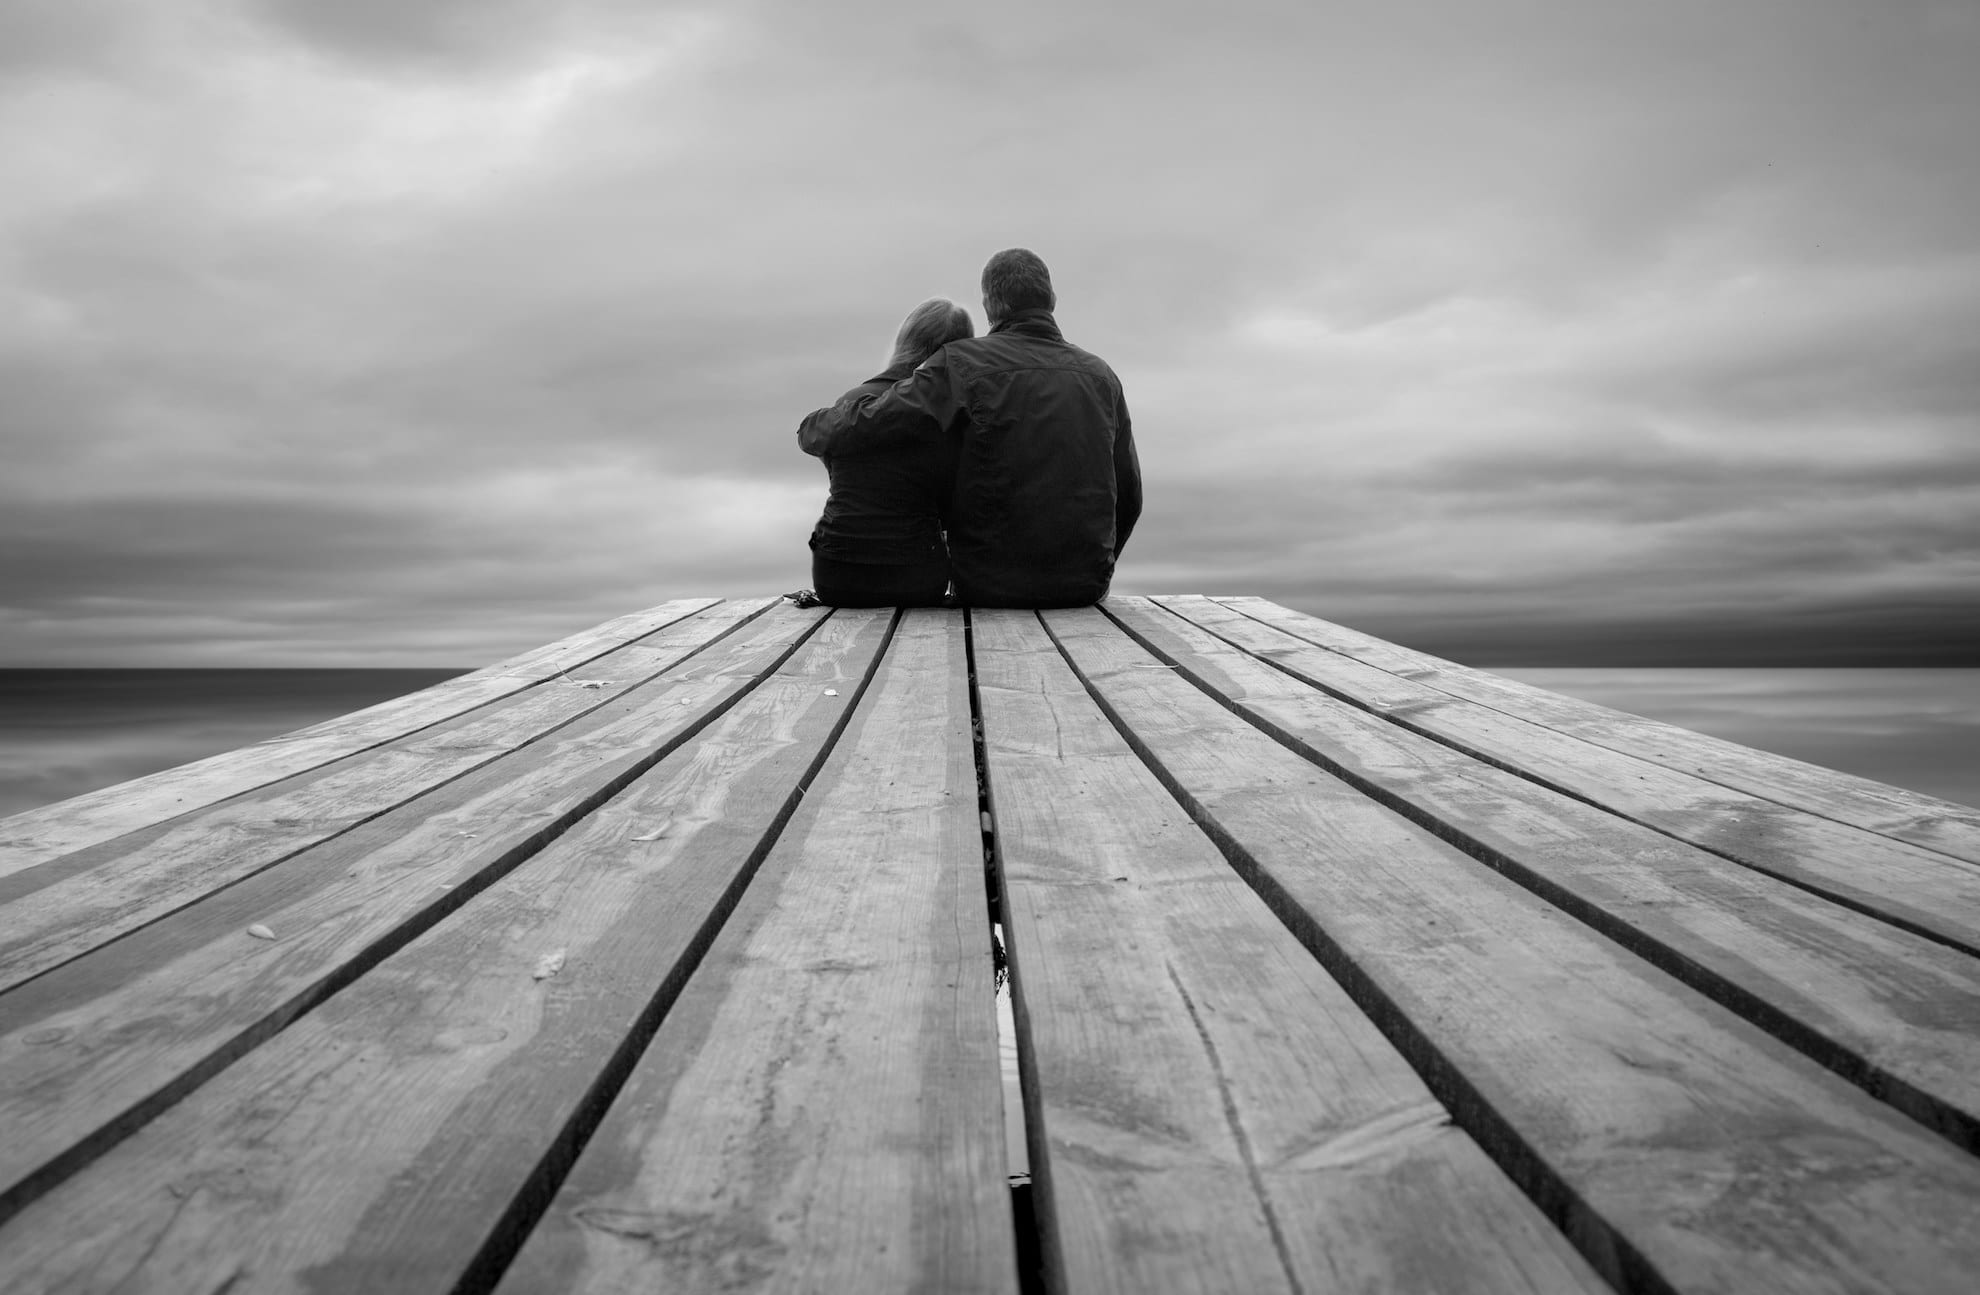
1016	279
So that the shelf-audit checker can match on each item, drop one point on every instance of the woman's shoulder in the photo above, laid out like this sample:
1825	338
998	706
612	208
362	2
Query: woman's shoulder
871	387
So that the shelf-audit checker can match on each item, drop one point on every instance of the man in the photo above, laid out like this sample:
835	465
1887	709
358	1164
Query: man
1049	486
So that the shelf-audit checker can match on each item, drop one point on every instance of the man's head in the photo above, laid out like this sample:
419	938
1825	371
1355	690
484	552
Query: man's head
1015	280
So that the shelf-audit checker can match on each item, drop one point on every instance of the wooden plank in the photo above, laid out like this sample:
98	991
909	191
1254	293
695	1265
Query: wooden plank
1927	821
1893	1012
96	1046
1920	889
1207	1109
820	1111
659	650
1681	1147
71	905
662	649
382	1141
49	831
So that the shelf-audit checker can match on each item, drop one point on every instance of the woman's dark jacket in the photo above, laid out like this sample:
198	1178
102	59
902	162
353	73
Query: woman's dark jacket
886	505
1049	486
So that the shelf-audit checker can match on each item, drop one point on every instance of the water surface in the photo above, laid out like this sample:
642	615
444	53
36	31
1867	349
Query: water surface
1912	727
65	732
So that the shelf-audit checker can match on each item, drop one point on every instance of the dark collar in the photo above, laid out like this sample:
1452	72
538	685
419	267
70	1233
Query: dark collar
1031	323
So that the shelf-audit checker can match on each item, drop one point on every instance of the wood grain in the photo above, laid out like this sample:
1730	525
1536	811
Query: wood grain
380	1141
1894	1012
90	898
1208	1110
1927	821
1268	945
1920	889
821	1110
94	1047
49	831
1681	1147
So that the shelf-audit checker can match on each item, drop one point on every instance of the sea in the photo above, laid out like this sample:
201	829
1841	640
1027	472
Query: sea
1910	727
65	732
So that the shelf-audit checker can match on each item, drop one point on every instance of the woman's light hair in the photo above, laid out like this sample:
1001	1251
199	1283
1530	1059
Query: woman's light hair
927	328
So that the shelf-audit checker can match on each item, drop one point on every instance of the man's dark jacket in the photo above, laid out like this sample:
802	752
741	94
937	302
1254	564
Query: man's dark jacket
1048	487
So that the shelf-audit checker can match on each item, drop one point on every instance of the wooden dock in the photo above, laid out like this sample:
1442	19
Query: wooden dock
660	959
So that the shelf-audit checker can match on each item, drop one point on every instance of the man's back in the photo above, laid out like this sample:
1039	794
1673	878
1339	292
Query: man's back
1049	486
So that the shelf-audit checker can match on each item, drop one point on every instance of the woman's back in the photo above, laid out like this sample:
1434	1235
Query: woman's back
887	508
879	540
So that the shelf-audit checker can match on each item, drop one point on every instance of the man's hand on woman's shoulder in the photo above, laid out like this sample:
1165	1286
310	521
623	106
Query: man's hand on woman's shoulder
880	414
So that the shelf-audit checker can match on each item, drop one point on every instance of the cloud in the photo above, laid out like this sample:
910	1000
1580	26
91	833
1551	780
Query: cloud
371	32
397	333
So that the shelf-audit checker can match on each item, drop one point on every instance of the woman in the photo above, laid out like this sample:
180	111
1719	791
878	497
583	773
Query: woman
879	542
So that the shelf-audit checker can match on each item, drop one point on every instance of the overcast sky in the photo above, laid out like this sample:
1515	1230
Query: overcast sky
372	332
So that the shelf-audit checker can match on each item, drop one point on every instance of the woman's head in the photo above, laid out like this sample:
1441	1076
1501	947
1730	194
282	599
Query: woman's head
928	327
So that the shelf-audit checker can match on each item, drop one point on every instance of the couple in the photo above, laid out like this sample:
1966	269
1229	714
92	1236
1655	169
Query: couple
1016	444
